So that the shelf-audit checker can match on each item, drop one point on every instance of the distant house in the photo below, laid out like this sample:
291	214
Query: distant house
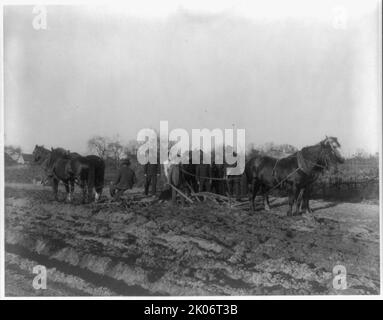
16	157
28	158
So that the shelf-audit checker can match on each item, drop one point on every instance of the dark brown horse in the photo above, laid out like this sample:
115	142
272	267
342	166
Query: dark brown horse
87	171
296	173
58	165
71	168
42	156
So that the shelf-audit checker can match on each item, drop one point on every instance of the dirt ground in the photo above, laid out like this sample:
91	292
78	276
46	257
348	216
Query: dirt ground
204	249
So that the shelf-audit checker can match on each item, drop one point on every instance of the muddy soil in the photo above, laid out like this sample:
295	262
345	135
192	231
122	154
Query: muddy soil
204	249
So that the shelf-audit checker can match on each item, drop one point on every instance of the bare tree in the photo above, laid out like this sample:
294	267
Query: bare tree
99	145
360	154
278	150
252	151
287	148
115	150
130	149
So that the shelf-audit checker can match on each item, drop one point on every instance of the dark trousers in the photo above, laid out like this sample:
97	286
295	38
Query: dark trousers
116	193
204	184
151	179
218	186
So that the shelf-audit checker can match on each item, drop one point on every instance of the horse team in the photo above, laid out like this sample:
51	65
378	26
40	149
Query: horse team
70	168
295	173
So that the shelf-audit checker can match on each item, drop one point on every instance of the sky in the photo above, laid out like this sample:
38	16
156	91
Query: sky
284	73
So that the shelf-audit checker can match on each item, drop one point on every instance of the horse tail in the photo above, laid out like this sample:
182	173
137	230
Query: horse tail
91	177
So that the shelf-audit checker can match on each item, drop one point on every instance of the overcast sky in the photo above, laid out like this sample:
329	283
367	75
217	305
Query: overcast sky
287	74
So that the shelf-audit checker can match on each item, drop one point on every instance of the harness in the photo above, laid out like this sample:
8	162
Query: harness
275	165
302	166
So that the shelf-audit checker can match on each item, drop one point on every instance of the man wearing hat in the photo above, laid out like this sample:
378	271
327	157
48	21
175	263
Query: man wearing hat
125	180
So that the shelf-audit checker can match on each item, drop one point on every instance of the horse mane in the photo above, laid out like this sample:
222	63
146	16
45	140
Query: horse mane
42	149
40	154
313	157
328	139
59	150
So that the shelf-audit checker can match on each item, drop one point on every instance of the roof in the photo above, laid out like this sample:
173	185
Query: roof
27	157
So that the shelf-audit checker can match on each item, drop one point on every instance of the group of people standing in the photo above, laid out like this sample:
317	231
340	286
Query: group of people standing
126	178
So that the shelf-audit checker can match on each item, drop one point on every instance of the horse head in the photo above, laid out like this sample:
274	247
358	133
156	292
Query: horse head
40	153
332	147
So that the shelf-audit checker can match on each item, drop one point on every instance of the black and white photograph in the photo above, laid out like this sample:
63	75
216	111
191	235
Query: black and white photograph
191	149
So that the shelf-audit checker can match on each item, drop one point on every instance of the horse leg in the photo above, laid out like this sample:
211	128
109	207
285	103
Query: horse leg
71	188
254	191
98	194
266	202
298	192
90	183
237	189
67	189
99	182
90	191
306	200
84	193
252	196
291	192
55	187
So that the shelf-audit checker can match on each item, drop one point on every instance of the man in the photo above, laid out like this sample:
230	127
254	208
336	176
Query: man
233	181
125	180
151	171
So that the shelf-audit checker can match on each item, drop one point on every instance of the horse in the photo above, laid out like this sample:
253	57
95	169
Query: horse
296	173
57	166
69	168
334	157
180	175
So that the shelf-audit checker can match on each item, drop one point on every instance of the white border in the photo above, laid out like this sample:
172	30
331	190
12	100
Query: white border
119	2
2	122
